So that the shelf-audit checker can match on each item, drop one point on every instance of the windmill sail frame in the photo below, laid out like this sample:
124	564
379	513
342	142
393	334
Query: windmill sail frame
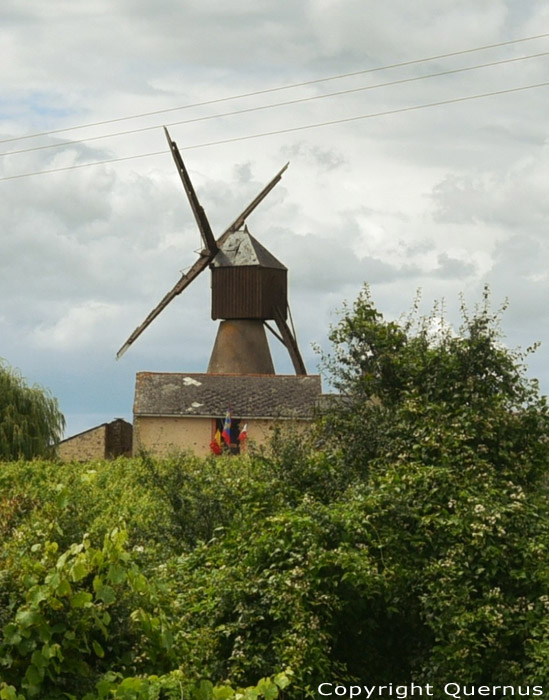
211	249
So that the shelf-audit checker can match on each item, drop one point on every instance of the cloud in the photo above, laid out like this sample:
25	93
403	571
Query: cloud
513	199
453	268
79	327
344	28
444	198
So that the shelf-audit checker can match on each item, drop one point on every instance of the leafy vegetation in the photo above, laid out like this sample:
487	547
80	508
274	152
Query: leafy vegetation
30	420
404	539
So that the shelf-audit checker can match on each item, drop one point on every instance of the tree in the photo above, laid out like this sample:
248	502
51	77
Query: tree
419	385
30	419
422	574
447	443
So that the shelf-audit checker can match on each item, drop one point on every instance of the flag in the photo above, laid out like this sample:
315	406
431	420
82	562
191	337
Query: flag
243	433
226	434
215	444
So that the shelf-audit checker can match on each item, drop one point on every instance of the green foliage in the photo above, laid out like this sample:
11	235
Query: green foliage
269	595
174	686
199	497
405	539
30	420
417	385
463	554
424	572
81	610
43	593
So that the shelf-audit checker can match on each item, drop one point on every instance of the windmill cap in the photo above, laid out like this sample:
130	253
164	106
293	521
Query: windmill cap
242	249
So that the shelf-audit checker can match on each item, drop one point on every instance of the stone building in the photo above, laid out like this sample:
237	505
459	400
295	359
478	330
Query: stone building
105	441
177	411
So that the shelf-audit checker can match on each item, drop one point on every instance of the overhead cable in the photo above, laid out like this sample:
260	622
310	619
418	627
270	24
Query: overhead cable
276	104
400	110
278	88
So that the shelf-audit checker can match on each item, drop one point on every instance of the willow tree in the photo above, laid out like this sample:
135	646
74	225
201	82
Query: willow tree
30	420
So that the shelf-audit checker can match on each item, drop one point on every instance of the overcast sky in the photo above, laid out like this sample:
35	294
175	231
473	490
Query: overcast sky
443	198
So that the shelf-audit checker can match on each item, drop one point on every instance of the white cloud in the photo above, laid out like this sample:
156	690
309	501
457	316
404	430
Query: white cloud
443	198
79	327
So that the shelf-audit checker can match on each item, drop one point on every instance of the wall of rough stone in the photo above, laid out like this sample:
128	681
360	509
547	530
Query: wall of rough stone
85	446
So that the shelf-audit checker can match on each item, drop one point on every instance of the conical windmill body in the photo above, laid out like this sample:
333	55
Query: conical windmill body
249	288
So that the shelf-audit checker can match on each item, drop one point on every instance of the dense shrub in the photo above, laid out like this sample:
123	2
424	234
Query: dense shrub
404	539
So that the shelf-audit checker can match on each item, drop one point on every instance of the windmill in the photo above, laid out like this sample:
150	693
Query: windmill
249	288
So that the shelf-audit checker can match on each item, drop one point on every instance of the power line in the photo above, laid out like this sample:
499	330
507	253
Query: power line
286	131
276	104
278	88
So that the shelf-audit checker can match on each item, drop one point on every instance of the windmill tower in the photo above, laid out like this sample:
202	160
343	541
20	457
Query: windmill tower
249	289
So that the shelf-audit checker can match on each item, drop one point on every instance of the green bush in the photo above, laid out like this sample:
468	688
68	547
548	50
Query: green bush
404	539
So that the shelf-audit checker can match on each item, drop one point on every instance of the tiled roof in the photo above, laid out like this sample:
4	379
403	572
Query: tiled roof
211	395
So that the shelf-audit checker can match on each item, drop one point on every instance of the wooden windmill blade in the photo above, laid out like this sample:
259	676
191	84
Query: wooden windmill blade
200	215
289	340
198	211
211	245
239	221
200	265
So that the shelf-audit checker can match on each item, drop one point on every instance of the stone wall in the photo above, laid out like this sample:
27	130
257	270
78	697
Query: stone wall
84	446
106	441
